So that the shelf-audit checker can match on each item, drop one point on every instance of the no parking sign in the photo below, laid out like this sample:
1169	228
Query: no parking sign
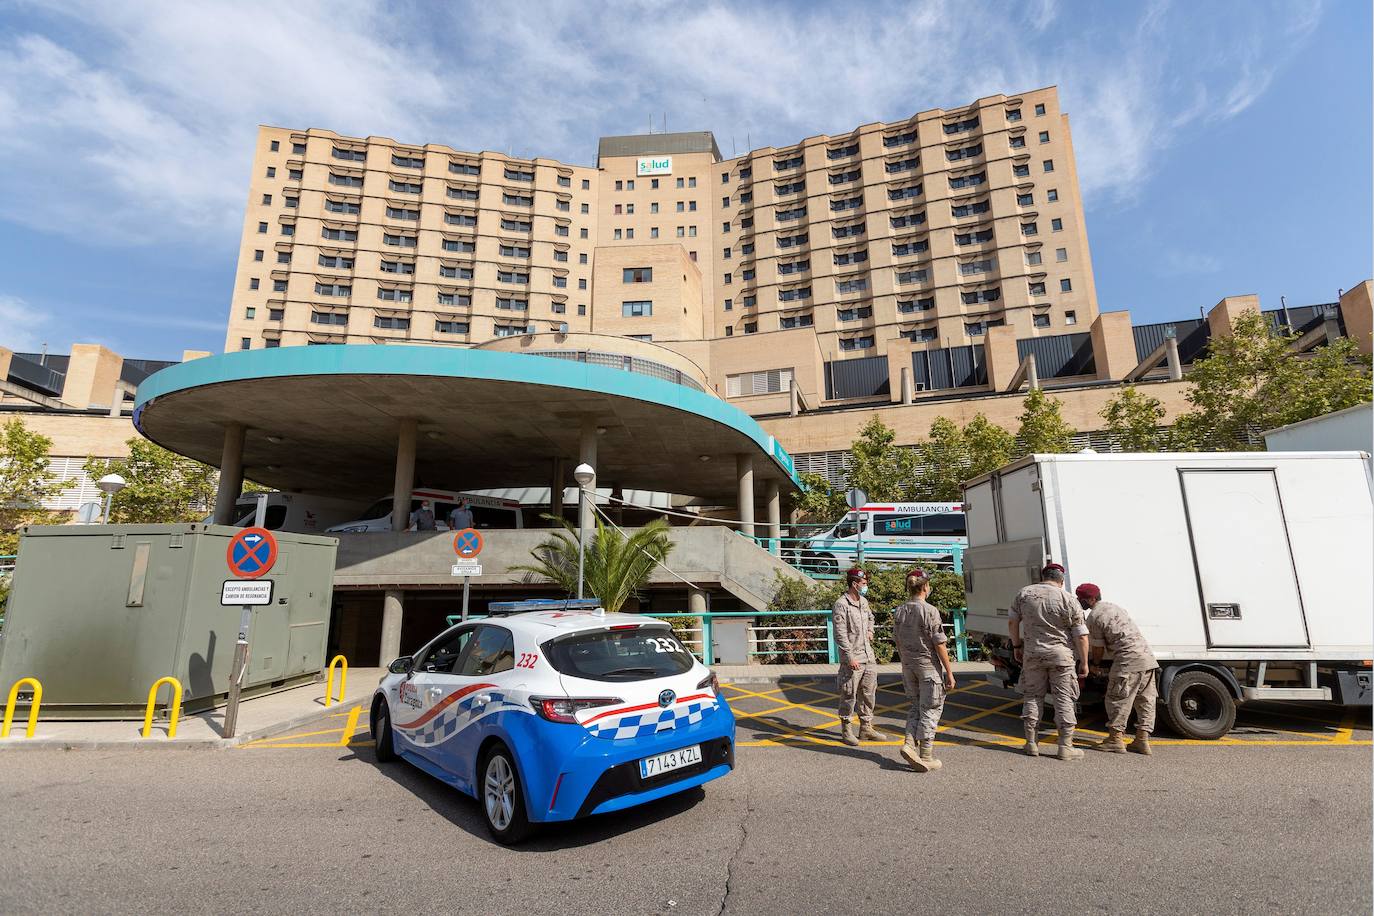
252	552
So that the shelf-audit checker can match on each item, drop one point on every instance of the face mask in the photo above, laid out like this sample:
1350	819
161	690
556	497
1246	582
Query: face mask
863	589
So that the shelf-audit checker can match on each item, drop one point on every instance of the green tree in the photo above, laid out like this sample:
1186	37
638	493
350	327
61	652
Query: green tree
1249	381
819	503
882	469
616	566
1043	429
1134	420
25	482
952	455
162	486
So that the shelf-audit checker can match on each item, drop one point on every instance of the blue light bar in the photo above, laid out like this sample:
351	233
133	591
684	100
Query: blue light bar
498	608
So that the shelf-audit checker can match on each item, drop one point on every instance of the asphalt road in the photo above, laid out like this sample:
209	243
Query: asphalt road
796	829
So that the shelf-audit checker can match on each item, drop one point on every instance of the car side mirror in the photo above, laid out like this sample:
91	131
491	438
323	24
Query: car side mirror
402	665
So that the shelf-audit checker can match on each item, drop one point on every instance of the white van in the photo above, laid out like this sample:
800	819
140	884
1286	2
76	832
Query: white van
891	533
487	511
302	513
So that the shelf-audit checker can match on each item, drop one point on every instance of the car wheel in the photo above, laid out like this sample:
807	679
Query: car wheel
381	734
1200	706
503	802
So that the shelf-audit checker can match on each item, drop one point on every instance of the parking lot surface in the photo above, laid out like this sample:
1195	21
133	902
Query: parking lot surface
301	822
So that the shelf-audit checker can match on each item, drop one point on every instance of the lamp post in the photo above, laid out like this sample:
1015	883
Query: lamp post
583	474
110	484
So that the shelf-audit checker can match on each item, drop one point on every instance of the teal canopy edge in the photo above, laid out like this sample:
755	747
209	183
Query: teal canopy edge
444	362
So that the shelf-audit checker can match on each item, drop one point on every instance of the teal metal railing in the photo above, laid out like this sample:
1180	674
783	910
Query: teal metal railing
769	641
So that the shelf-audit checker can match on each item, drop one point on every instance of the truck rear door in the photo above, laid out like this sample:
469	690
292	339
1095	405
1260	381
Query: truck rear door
1244	564
1006	534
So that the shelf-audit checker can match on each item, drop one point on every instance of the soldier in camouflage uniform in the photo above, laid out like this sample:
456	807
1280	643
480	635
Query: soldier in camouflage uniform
1131	681
926	672
858	676
1047	625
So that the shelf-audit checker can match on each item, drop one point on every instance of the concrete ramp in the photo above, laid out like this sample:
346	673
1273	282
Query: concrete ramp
704	556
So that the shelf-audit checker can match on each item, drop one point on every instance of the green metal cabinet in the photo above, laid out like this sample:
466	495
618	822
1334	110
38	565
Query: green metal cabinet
99	612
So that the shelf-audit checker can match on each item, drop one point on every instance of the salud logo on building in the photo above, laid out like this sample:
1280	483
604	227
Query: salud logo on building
655	165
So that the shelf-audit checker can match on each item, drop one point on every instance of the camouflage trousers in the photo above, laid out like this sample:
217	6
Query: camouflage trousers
927	695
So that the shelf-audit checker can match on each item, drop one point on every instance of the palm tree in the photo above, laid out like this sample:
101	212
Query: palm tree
615	566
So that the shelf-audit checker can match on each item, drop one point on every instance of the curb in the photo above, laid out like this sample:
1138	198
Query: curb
175	744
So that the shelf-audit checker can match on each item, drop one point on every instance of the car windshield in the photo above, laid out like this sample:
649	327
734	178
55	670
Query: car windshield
640	654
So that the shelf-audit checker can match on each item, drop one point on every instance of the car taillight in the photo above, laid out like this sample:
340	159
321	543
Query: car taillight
565	709
710	681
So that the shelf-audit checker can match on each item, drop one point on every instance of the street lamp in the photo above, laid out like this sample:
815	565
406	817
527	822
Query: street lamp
110	484
584	475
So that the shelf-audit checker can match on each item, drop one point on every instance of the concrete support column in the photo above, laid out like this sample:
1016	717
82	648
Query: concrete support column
908	388
586	454
230	474
1032	376
744	467
696	604
1171	358
556	472
794	399
393	609
405	478
774	500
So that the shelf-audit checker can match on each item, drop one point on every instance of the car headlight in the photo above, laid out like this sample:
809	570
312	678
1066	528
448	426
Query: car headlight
350	529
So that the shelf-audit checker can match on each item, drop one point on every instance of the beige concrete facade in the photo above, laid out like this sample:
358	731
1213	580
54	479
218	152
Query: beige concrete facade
936	228
919	260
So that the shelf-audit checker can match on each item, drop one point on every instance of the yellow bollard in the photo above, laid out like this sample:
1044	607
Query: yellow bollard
173	712
33	707
343	679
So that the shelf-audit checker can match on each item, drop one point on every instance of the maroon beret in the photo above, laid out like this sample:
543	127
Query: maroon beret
1088	592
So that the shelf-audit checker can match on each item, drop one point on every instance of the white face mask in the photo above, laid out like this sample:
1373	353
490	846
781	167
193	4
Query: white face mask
863	589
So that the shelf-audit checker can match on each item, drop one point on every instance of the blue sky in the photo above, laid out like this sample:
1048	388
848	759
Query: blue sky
1223	147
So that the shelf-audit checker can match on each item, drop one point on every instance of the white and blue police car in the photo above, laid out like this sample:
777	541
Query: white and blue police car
549	711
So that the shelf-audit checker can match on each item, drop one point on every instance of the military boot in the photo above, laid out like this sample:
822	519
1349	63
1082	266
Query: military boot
1031	748
911	754
847	735
1112	744
1141	744
1066	749
868	733
928	760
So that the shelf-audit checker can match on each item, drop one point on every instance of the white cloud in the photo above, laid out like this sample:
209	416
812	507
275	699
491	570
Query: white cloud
21	326
135	123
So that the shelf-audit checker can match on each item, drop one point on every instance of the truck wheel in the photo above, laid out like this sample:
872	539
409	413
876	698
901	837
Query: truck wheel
1200	706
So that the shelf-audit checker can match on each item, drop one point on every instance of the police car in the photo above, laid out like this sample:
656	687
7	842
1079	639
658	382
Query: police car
549	711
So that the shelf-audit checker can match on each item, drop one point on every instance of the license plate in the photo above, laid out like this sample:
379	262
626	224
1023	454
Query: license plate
650	767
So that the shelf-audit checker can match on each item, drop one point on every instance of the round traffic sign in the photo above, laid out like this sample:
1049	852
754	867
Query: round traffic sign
467	543
251	552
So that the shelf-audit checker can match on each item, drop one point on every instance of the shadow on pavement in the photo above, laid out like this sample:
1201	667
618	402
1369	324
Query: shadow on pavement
463	812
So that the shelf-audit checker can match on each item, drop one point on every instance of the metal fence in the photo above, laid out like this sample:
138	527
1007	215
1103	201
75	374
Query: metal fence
768	639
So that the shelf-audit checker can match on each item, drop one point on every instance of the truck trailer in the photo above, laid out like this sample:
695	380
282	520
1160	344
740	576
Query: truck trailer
1249	573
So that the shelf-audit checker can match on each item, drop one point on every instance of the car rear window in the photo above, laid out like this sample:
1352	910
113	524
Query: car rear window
641	654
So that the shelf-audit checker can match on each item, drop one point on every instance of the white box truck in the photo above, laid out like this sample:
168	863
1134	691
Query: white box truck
1249	573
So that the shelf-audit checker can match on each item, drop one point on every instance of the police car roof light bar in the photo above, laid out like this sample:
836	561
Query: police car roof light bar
503	608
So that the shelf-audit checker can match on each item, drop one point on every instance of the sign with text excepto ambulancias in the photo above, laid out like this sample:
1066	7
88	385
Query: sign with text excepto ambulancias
245	593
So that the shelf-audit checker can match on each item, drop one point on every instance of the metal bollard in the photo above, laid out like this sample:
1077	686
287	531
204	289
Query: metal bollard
33	707
173	711
343	679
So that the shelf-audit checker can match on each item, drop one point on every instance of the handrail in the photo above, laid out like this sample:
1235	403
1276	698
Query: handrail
33	706
173	711
343	679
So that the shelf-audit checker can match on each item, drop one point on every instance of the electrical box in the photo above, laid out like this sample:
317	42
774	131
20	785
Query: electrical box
99	612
